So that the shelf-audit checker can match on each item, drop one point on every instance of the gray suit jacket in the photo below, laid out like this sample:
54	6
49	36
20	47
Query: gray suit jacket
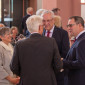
5	59
36	60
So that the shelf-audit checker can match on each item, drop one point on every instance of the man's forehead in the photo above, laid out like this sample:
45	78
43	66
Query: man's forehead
47	16
71	21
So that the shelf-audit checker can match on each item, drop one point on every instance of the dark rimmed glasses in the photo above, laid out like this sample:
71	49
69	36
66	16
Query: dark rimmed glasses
70	25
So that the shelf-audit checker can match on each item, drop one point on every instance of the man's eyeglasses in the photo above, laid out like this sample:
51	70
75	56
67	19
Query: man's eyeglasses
70	25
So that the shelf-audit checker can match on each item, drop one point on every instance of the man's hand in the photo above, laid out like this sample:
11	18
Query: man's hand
62	59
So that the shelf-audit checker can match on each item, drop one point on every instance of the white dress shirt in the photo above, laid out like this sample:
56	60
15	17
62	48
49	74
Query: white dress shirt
51	32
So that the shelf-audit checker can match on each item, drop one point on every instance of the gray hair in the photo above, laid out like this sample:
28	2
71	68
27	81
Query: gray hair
40	11
33	23
48	12
4	30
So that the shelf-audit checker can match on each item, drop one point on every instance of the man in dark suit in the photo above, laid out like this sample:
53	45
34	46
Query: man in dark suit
23	29
75	59
36	59
61	37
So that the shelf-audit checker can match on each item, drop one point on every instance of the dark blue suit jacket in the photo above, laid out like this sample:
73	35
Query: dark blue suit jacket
23	25
75	62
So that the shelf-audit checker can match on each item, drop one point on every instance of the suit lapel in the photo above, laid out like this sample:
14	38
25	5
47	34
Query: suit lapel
81	36
54	31
71	49
77	40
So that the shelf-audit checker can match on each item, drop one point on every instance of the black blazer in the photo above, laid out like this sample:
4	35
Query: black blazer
23	24
75	62
36	60
62	40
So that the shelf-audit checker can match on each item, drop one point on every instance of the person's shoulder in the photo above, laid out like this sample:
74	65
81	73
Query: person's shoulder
59	30
55	28
80	45
81	40
63	30
26	16
20	42
1	48
48	38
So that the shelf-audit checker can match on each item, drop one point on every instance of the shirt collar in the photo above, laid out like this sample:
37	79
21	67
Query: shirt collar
34	32
80	34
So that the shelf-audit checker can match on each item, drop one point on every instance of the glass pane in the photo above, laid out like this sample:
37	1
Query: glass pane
8	12
82	1
11	8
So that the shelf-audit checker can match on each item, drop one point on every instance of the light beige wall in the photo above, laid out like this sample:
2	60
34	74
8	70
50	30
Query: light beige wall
33	3
82	11
39	4
76	7
66	11
69	8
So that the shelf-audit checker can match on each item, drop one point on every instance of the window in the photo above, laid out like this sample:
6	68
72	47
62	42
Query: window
82	1
6	12
82	9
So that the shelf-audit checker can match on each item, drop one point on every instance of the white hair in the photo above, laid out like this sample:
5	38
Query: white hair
48	12
40	11
33	23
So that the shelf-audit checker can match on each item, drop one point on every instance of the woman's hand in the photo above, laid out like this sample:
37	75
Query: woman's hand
13	80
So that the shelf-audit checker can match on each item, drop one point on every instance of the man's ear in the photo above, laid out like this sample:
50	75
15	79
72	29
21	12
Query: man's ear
80	25
40	30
